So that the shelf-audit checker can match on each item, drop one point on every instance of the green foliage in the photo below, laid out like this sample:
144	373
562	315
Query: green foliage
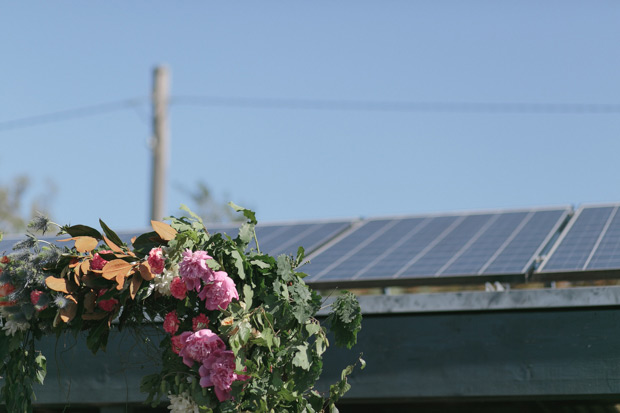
346	319
272	329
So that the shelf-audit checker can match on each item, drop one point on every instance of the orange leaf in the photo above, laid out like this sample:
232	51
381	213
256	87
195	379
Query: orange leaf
165	231
120	280
57	284
112	245
85	266
136	281
115	268
65	240
85	244
145	271
68	312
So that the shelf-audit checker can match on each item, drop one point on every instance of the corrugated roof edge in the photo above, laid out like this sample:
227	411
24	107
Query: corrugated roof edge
538	299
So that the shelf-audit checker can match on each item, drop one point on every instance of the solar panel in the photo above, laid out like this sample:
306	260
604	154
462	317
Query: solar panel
590	242
436	248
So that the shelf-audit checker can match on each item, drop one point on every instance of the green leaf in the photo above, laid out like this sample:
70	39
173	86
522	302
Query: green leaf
41	363
110	234
191	213
238	263
249	214
301	357
81	231
260	264
345	320
247	295
246	233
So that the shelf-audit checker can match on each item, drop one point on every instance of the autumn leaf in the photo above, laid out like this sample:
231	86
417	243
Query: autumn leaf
57	284
145	271
136	281
85	243
115	268
68	312
113	246
165	231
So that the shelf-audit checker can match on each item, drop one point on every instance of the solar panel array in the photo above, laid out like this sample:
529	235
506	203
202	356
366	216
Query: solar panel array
471	247
437	247
590	242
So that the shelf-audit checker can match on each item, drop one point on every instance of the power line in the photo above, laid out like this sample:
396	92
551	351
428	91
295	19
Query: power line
399	106
322	104
70	114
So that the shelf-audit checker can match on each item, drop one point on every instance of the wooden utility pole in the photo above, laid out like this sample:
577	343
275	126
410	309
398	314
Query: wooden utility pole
161	86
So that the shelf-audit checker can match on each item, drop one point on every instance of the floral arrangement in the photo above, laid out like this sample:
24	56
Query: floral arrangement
241	332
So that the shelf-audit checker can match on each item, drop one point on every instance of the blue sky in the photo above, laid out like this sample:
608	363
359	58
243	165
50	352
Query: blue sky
292	164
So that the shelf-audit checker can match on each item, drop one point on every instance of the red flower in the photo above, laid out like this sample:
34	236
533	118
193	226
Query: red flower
200	322
171	322
5	260
5	290
106	305
177	344
178	288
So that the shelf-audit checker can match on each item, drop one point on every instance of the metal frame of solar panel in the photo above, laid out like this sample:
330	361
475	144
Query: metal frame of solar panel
587	249
437	249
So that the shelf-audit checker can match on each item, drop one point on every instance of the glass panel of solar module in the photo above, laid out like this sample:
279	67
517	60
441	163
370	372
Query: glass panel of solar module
591	241
438	246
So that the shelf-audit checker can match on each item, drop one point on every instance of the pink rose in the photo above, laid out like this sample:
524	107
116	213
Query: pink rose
193	268
220	293
200	322
219	371
106	305
178	289
171	322
199	345
156	261
97	263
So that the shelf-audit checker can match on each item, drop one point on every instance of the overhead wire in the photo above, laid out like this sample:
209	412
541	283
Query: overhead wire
70	114
398	106
319	104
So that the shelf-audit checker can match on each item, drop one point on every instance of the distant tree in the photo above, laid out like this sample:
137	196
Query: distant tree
14	213
205	205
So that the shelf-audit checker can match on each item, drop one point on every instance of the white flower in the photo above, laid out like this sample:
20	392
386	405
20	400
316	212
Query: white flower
162	281
182	403
11	327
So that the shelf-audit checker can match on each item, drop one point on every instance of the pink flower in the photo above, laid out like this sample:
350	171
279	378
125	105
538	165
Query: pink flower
194	268
156	261
200	322
177	344
106	305
199	345
97	262
219	371
178	289
220	293
171	322
35	296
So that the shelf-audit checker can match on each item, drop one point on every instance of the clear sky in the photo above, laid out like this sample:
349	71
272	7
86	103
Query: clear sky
294	164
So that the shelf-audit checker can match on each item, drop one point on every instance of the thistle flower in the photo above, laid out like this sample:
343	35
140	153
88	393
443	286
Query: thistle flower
30	242
60	301
40	223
